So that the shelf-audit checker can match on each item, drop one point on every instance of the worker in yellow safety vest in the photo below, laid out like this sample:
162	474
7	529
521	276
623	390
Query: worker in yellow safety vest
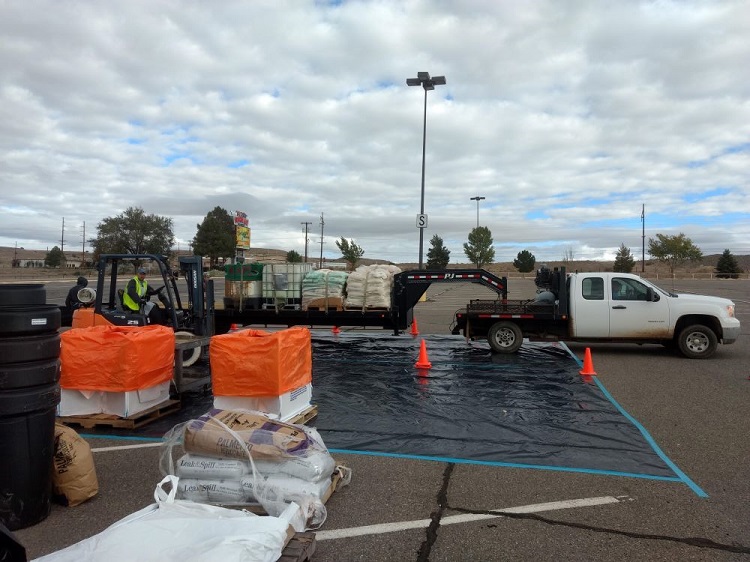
137	292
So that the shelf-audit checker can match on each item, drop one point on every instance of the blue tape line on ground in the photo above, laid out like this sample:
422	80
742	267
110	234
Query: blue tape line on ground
646	435
507	464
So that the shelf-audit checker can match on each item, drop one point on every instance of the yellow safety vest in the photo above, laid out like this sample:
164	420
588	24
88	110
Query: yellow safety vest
140	287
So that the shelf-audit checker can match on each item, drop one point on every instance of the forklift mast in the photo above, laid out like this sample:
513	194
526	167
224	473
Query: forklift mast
199	294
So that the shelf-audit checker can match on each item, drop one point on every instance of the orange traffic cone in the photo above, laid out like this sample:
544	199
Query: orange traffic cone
588	364
414	329
423	362
336	330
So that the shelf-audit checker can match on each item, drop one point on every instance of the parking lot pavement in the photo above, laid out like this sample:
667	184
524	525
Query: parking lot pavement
409	509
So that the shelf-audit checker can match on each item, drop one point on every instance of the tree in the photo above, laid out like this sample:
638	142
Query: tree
215	236
292	256
524	262
438	255
624	262
479	247
350	251
568	255
54	258
674	250
134	232
727	266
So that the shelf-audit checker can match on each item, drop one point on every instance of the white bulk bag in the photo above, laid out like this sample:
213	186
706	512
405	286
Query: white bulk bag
183	531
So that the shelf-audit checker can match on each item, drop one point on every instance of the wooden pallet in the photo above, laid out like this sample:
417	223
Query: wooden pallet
304	416
300	548
367	308
324	308
323	304
129	422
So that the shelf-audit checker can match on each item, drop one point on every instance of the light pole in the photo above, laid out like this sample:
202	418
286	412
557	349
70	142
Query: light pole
423	79
477	199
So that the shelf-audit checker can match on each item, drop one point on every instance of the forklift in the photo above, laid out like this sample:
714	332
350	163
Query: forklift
191	319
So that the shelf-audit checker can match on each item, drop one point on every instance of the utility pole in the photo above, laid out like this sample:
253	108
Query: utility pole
322	224
83	245
307	224
643	237
62	239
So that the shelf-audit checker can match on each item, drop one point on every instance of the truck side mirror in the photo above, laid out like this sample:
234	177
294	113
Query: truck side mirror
650	295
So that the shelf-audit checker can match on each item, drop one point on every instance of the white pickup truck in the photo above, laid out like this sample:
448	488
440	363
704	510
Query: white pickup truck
602	307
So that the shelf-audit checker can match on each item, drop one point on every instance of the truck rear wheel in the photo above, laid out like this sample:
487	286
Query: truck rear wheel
697	342
505	337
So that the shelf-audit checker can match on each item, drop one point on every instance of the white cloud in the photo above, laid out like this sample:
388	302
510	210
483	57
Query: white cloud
566	116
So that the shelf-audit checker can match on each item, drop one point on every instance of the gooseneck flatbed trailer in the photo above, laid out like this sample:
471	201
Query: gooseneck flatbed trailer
408	288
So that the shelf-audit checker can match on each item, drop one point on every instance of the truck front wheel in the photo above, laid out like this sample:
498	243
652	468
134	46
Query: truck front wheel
697	342
505	337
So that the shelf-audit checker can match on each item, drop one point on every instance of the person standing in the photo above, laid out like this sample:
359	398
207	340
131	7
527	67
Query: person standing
71	301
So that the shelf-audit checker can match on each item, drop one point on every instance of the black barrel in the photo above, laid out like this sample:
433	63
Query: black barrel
29	395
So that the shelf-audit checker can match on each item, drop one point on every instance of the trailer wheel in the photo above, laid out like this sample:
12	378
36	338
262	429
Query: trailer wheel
505	337
697	342
190	356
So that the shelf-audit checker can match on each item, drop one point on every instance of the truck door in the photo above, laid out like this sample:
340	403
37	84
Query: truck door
590	304
631	315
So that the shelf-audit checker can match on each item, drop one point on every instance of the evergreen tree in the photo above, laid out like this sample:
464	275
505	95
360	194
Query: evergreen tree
54	258
674	250
624	262
215	236
292	256
524	262
479	248
438	255
134	232
727	266
350	251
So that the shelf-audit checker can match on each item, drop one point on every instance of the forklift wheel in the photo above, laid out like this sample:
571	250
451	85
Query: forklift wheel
190	356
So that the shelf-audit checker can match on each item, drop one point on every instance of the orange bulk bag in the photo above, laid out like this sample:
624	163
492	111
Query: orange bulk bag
116	358
258	363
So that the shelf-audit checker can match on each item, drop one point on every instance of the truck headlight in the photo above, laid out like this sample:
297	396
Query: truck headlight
730	310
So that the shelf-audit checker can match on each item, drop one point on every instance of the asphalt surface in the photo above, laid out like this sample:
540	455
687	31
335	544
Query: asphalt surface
696	411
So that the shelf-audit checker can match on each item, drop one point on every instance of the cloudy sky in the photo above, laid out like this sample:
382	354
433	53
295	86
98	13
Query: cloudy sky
567	116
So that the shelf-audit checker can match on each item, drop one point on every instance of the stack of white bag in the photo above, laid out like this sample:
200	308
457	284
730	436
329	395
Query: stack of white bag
323	288
370	286
236	457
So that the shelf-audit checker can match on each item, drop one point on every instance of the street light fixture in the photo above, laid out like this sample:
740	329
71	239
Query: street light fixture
477	199
423	79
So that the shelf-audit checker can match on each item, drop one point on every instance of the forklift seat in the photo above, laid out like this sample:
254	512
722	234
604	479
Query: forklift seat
121	299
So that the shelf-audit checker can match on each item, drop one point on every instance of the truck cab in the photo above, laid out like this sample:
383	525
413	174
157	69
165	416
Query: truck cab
625	307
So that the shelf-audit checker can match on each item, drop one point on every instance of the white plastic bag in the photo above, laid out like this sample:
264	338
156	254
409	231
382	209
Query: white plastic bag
183	531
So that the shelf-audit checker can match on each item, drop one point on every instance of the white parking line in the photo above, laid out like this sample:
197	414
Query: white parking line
465	518
125	447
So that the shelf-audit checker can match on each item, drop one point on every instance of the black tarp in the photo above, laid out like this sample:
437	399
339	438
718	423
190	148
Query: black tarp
528	409
531	408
